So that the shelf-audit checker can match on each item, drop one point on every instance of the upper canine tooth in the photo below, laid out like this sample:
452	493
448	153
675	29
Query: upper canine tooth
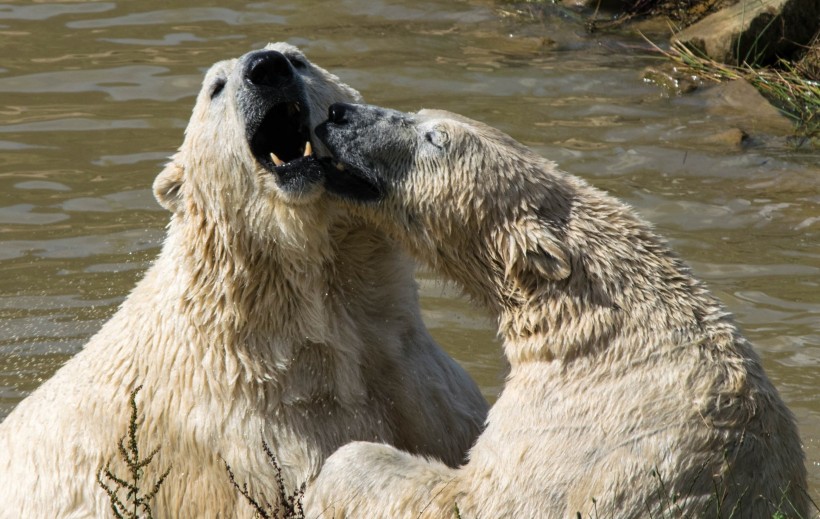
340	166
297	107
308	149
276	160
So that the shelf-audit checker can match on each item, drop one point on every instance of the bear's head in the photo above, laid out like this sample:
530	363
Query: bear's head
249	156
461	195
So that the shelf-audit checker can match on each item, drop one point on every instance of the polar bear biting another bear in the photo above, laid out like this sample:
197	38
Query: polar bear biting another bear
267	315
631	391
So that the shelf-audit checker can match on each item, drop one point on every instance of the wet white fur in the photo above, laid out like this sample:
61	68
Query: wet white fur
264	316
628	381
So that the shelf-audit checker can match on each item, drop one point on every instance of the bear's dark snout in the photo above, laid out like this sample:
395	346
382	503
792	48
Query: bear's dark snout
268	69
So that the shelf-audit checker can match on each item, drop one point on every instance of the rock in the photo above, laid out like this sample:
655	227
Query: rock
754	31
671	80
731	138
744	107
656	28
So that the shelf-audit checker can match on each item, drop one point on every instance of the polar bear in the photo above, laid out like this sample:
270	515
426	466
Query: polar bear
267	316
631	393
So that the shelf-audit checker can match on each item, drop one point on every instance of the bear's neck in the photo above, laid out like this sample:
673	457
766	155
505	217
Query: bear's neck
627	293
248	292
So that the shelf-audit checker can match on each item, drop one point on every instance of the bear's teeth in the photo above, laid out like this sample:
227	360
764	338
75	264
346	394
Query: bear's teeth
340	166
276	160
308	149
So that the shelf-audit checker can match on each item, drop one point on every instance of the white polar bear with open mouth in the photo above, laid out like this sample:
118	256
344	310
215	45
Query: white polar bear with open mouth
268	315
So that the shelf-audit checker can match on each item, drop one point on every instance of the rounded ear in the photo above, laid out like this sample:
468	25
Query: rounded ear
167	187
531	254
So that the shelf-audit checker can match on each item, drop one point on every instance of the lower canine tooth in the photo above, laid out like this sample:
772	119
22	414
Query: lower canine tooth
276	160
308	149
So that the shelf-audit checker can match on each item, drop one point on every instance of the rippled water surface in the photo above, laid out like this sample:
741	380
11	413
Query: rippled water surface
95	95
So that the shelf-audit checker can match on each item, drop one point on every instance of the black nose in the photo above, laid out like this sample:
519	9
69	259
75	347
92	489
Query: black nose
267	68
337	113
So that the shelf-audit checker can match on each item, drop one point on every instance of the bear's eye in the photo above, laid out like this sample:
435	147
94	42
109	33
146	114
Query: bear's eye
217	87
298	63
437	138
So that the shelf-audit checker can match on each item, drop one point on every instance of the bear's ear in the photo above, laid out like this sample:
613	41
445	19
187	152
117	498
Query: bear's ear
531	254
168	187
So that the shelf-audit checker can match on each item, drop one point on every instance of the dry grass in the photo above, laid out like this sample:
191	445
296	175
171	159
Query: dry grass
290	504
135	504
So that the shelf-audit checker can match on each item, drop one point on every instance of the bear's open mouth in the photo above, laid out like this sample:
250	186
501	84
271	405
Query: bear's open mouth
283	136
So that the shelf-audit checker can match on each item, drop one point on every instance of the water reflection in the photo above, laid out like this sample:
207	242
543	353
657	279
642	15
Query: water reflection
45	11
120	83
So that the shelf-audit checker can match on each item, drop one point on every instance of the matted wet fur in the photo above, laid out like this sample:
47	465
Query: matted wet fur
266	317
632	392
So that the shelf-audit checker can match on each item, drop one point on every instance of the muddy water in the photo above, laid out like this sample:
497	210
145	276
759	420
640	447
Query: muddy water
94	97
